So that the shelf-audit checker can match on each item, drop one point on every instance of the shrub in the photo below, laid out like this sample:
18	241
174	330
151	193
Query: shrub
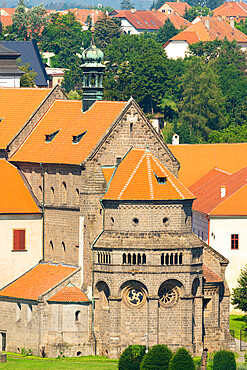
131	358
157	358
182	360
224	360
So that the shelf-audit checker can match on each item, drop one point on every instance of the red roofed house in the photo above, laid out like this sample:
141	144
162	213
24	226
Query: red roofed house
117	227
176	7
206	29
231	10
219	216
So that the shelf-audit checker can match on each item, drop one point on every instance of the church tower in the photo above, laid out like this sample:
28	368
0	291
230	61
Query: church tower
93	71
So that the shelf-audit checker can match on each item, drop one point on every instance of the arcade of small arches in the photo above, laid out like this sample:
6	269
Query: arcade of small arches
92	80
104	257
134	259
171	259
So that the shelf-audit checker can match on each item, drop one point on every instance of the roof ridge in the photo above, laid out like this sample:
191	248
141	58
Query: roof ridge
131	176
151	188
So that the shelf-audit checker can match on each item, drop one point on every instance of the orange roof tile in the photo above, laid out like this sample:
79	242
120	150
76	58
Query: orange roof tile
108	172
210	276
69	294
136	179
178	7
16	106
198	159
208	193
14	195
177	21
190	37
234	205
141	19
37	281
82	14
216	29
66	117
231	9
6	20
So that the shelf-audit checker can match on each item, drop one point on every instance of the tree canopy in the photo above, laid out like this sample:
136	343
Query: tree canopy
239	295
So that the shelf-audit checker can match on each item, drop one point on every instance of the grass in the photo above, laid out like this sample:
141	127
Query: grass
16	361
236	322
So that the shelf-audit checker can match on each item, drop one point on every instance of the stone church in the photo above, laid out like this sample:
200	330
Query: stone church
120	262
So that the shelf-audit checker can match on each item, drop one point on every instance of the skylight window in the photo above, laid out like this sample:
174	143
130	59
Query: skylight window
138	22
146	22
77	138
50	137
153	23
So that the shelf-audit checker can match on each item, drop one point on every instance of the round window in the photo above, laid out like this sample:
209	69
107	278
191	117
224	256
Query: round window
135	221
134	296
168	296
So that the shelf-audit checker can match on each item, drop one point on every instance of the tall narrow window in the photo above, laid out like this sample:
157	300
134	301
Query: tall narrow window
124	258
235	241
64	193
19	240
52	195
139	259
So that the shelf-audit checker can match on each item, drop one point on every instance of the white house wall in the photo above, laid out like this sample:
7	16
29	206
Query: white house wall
128	28
176	49
10	81
15	263
221	229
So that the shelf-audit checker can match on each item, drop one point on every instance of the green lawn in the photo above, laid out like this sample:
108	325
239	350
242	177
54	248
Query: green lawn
236	323
15	361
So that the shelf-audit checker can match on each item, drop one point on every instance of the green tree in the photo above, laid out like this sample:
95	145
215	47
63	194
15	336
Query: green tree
106	29
239	294
195	11
127	4
242	26
202	106
166	32
131	358
28	23
28	79
224	360
157	358
182	360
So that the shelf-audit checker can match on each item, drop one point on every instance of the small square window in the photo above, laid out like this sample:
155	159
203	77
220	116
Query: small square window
119	160
235	241
19	240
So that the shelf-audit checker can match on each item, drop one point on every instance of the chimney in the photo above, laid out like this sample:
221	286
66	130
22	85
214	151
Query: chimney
222	191
232	22
207	23
175	139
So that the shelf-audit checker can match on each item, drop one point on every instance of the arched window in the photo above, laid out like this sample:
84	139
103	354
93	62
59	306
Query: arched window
63	246
77	316
162	259
176	259
64	193
139	259
171	259
180	258
98	255
77	196
144	260
124	258
167	259
106	258
134	259
40	193
52	195
129	258
109	258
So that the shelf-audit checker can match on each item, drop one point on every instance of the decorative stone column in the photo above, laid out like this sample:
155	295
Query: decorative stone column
115	326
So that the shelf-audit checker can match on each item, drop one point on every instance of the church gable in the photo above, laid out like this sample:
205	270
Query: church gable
132	129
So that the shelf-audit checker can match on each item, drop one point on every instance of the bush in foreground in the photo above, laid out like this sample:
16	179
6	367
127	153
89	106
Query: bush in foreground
182	360
224	360
131	358
157	358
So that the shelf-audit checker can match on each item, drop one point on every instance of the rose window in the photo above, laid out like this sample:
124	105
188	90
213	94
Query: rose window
135	296
168	296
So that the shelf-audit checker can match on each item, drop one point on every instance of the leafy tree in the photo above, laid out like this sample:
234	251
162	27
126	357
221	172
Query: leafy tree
166	32
127	4
202	106
224	360
230	134
239	295
63	36
28	79
182	360
28	23
242	26
195	11
131	358
157	358
106	29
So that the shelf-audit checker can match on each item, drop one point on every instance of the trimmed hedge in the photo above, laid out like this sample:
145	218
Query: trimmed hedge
182	360
157	358
131	358
224	360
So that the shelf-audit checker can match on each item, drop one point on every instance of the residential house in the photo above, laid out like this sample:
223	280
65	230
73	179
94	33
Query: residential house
6	16
231	10
220	216
207	29
10	74
176	7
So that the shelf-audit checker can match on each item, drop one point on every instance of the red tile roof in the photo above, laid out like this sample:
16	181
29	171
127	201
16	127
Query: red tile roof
177	21
231	9
210	276
190	37
14	195
16	106
37	281
210	28
208	193
136	178
69	294
198	159
141	19
6	20
66	117
177	6
82	14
